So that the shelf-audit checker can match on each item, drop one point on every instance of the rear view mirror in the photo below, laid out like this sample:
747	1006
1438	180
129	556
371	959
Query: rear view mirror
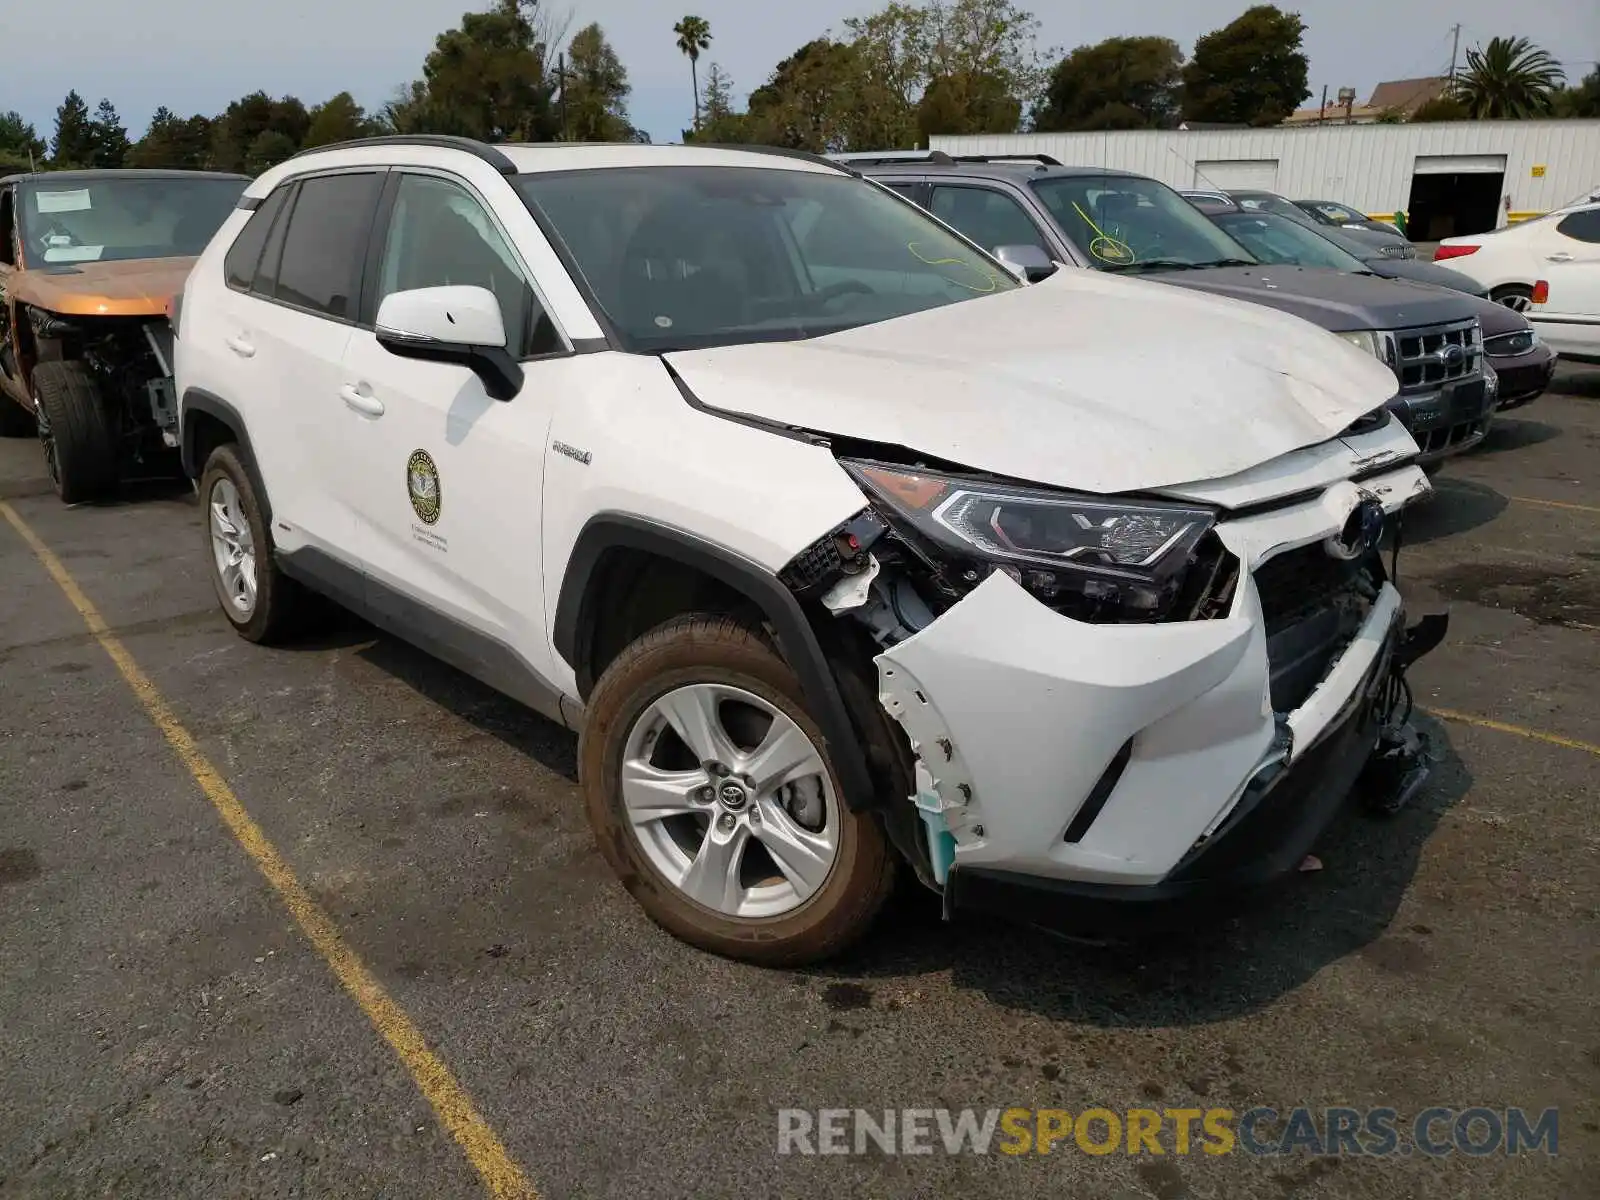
1027	262
455	324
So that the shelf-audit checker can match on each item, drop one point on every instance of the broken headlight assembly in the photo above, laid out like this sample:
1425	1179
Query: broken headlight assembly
1093	557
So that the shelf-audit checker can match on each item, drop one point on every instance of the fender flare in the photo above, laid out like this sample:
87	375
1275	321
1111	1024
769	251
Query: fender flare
200	400
797	640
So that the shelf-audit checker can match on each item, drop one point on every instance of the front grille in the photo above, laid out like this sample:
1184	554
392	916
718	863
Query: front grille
1429	357
1508	345
1313	604
1298	581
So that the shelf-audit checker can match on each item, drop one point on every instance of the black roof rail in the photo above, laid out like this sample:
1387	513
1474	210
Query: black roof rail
442	141
821	160
1042	159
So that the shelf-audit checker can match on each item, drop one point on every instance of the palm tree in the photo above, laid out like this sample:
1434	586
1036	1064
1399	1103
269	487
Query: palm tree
1509	79
694	35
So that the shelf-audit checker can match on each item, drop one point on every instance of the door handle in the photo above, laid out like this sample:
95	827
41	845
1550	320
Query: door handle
1558	256
240	347
361	401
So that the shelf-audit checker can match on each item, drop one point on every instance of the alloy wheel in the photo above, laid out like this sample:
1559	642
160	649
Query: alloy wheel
233	549
730	800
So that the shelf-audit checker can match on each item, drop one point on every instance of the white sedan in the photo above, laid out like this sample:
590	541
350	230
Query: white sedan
1547	268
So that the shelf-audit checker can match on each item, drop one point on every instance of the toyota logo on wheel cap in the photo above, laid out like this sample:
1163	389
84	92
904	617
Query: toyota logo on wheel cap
733	795
1361	532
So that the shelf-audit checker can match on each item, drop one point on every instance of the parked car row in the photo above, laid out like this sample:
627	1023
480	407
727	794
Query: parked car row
851	540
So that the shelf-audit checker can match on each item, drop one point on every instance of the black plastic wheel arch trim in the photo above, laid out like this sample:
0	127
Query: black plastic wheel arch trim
199	400
576	611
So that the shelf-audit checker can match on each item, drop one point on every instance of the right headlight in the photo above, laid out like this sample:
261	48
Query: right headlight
1365	339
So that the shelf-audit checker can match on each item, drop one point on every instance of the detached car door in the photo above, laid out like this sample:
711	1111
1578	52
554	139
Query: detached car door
449	488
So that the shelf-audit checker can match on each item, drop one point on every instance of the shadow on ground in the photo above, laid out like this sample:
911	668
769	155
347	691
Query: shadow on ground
1514	432
1206	969
1457	505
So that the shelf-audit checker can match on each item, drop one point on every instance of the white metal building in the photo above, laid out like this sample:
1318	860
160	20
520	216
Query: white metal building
1449	177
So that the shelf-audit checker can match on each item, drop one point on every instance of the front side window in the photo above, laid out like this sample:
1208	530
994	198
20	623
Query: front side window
440	235
326	242
698	256
116	218
1275	240
990	218
1130	223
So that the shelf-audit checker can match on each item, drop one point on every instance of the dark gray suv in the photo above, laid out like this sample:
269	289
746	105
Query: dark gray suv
1042	212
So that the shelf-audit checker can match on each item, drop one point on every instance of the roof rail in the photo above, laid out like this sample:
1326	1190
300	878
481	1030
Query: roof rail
940	157
822	160
442	141
1042	159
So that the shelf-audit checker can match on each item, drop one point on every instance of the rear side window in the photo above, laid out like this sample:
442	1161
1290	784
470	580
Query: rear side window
244	255
1584	225
325	244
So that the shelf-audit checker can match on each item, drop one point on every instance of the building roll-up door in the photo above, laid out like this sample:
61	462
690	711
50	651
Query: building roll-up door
1237	174
1461	164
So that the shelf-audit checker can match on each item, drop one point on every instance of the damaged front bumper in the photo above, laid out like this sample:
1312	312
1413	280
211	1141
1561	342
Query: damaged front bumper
1137	762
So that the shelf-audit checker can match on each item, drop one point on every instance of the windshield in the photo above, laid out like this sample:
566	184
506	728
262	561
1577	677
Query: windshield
1267	202
109	219
1338	214
1273	239
1129	223
681	257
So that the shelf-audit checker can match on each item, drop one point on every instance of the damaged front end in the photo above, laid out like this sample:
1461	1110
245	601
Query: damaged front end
1122	699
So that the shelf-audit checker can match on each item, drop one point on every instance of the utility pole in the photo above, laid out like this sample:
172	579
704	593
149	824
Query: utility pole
1455	47
561	74
1323	114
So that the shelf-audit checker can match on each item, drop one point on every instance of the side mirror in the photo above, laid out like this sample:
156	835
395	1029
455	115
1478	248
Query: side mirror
453	324
1027	262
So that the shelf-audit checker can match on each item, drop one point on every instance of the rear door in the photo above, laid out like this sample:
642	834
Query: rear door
1570	262
288	337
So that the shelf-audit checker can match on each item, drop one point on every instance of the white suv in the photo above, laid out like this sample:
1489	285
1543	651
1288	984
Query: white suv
840	545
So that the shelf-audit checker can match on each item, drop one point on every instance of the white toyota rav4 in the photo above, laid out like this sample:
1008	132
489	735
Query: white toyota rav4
839	544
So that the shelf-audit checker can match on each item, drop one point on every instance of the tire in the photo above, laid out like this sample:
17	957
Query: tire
1515	296
712	655
276	602
78	432
15	421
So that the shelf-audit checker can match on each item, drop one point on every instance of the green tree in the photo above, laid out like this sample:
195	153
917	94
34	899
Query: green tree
812	101
1251	71
337	119
596	90
486	79
172	142
234	134
110	137
694	36
1120	83
967	103
1510	78
1442	108
73	144
719	95
21	148
267	150
1580	101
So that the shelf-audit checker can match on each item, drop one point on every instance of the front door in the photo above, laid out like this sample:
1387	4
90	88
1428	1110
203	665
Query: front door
449	479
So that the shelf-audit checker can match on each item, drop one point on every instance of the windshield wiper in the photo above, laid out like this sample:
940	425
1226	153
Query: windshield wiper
1157	264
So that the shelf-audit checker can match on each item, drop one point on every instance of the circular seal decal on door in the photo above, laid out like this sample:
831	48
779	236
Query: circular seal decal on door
422	481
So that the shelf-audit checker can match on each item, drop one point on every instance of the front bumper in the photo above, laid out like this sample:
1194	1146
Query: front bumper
1026	722
1524	377
1447	421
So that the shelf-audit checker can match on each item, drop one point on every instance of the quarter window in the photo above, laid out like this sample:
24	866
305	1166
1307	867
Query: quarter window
990	218
439	235
244	256
1583	226
326	243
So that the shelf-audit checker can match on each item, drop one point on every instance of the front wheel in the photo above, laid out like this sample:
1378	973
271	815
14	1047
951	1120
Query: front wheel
712	798
77	430
260	601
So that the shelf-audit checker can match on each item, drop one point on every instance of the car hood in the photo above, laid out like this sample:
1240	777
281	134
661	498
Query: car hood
1336	300
1417	271
1085	381
131	288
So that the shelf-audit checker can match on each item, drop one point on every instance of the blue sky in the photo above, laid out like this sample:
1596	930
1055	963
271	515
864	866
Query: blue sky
196	55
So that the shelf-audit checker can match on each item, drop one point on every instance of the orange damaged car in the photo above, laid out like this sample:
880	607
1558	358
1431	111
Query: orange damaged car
89	263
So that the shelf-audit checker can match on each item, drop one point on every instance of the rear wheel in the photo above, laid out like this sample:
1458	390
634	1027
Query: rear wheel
77	431
1515	296
260	601
710	793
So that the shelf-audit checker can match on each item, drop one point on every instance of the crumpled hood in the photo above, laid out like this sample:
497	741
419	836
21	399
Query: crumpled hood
1083	381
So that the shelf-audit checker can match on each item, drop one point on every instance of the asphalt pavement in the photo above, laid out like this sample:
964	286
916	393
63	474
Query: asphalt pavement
170	1030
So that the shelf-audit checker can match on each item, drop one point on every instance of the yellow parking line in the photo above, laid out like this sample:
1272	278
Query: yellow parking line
500	1173
1588	508
1554	739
